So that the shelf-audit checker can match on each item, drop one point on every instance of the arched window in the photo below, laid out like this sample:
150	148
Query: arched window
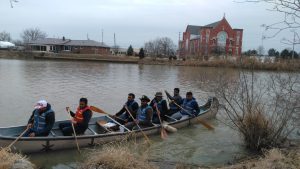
222	36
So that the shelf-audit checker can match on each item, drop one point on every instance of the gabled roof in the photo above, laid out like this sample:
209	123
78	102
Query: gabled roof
213	25
49	41
86	43
193	29
55	41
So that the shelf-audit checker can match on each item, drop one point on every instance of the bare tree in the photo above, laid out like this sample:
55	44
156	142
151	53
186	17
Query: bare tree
5	36
12	2
32	34
160	47
263	109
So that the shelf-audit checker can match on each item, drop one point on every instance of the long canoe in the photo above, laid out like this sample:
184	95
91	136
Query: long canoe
95	134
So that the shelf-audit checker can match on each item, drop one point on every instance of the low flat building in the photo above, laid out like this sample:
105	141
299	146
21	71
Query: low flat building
63	45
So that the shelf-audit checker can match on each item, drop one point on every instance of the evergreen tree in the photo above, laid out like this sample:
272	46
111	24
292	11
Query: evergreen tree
285	54
141	53
272	52
130	51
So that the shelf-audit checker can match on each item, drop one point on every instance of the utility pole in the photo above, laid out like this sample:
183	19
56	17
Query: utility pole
114	39
102	35
179	48
293	45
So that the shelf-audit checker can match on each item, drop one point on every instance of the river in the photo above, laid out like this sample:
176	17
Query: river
106	85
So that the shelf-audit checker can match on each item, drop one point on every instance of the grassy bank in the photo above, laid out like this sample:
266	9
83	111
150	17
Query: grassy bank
245	63
9	160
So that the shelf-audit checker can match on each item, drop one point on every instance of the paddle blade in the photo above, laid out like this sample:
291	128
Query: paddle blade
163	133
96	109
170	128
205	124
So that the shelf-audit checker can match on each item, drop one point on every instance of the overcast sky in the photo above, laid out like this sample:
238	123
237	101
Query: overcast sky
137	21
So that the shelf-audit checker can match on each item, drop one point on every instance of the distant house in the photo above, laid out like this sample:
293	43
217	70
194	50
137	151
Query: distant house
215	38
6	45
68	46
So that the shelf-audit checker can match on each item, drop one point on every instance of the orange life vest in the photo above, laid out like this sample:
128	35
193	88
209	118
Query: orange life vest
79	114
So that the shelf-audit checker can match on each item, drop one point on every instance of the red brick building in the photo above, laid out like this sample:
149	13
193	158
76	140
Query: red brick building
217	38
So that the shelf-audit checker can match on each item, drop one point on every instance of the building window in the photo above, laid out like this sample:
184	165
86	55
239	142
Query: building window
238	38
67	48
237	51
222	37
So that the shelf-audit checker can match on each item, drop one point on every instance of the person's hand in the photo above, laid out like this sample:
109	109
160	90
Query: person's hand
126	120
29	125
68	109
74	122
155	105
32	134
136	121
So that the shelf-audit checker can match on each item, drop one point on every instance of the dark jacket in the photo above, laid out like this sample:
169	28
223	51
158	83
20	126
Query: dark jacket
178	99
82	126
163	109
50	119
132	107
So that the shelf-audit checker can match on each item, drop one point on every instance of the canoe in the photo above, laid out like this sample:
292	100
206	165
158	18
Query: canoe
96	134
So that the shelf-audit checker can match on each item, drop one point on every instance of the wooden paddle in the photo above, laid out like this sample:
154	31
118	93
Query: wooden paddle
98	110
11	144
199	120
163	132
71	119
138	125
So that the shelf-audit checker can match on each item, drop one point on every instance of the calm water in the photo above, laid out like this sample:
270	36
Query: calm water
106	85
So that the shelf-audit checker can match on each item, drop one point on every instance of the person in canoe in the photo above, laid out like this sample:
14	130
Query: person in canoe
80	119
177	99
41	121
189	108
122	116
144	115
159	103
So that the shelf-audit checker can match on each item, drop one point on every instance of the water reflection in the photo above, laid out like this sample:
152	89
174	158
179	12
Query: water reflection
106	85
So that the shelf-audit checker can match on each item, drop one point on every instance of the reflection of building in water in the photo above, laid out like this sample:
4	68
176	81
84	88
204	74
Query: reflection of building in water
217	38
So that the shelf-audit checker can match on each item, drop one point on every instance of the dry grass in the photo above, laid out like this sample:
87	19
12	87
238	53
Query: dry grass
273	159
257	130
117	156
13	161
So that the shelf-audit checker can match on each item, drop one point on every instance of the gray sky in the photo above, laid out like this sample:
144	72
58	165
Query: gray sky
137	21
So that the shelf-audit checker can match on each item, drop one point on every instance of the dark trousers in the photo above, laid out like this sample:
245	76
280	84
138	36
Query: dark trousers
67	129
29	131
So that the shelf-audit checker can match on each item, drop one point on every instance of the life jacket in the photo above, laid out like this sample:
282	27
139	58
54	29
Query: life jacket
187	106
40	120
159	106
142	113
79	114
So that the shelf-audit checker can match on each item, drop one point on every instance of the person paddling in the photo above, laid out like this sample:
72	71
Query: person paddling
189	106
159	103
80	119
144	115
122	116
178	100
41	121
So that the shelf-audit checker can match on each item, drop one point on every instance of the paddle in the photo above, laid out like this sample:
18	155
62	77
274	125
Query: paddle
98	110
11	144
163	132
138	125
199	120
68	110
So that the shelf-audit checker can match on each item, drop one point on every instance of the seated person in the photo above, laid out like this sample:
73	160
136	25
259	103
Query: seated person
159	103
80	119
177	99
41	121
190	108
144	115
122	116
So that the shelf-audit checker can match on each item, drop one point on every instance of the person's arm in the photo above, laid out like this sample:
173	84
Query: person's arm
169	96
134	109
121	111
31	119
164	108
72	113
196	108
50	119
148	118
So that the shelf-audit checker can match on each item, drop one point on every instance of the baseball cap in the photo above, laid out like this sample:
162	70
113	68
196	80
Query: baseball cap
40	104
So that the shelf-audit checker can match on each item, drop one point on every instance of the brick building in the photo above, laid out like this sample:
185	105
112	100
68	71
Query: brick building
69	46
217	38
